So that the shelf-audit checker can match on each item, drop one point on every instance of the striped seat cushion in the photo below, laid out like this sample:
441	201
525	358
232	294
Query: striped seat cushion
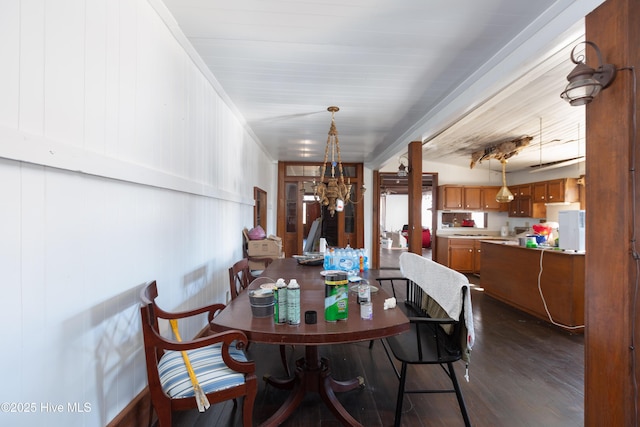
207	363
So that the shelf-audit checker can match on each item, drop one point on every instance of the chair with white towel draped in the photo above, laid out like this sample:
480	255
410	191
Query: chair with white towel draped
438	304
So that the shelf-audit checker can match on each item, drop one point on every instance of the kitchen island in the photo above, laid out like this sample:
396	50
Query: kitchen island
511	273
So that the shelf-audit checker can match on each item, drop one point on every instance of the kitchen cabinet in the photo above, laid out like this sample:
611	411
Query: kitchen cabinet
472	198
489	202
450	197
526	197
521	205
540	192
556	191
462	255
468	198
521	190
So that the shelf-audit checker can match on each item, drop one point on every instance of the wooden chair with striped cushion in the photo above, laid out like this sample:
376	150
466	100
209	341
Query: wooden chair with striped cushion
218	361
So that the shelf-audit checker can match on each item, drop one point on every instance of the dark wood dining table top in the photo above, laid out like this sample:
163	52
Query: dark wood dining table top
237	314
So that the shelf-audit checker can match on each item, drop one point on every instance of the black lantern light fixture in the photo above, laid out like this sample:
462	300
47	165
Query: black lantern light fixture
585	82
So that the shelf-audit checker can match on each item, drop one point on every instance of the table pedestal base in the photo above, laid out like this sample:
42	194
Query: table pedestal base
313	374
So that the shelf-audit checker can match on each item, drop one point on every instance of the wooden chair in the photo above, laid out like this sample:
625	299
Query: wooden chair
218	360
239	279
262	262
430	341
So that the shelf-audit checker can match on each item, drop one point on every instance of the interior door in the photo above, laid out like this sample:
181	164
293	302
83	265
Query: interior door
297	208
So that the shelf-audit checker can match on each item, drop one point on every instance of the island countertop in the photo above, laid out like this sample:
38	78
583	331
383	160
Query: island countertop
539	248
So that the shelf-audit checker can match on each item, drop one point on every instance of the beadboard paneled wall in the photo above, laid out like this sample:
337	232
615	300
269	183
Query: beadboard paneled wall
121	161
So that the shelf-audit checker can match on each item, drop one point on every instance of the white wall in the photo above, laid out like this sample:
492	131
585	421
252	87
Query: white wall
121	161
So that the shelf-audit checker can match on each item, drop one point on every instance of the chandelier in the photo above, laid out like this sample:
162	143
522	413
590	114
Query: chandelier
334	193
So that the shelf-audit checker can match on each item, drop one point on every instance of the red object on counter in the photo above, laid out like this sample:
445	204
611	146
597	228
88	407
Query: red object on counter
541	229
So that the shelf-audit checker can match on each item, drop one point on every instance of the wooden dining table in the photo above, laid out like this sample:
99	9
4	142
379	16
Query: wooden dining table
312	372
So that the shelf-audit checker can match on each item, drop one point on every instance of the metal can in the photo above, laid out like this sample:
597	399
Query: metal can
293	302
280	311
336	301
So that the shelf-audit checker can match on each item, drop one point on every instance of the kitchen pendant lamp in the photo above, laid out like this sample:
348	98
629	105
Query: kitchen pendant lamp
504	195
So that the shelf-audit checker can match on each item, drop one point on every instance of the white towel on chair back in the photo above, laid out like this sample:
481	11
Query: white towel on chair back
442	284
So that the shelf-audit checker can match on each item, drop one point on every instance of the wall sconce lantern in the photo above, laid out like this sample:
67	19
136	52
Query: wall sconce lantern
585	82
335	193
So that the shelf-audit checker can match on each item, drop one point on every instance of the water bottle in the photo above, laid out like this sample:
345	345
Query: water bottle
364	292
293	302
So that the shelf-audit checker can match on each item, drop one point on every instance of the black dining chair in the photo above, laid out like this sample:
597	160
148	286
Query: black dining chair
430	341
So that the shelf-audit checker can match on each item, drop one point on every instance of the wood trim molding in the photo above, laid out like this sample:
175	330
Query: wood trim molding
415	197
136	413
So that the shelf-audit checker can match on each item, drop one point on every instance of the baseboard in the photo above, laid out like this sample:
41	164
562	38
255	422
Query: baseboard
136	413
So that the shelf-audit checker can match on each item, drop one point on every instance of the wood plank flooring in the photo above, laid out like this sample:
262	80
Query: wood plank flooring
523	372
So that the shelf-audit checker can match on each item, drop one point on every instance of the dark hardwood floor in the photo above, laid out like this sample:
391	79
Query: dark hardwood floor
523	372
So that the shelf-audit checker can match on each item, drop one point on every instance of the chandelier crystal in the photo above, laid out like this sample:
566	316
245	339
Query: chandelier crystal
334	193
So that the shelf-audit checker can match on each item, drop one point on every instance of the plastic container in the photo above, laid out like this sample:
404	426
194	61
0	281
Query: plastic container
262	302
541	239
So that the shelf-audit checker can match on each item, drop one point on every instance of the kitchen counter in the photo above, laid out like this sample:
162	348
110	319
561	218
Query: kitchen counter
510	274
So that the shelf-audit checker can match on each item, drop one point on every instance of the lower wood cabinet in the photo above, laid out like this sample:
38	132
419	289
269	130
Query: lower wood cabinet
462	255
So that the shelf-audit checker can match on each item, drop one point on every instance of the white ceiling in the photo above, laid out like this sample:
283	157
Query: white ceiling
459	75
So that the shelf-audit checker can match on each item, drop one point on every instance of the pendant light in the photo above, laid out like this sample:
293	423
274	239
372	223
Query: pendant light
504	195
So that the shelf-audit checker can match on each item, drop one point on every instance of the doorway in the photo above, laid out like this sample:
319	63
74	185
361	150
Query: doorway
298	209
393	208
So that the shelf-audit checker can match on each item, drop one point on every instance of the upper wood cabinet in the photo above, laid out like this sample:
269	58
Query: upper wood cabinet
520	206
526	201
556	191
489	202
471	198
521	190
450	197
